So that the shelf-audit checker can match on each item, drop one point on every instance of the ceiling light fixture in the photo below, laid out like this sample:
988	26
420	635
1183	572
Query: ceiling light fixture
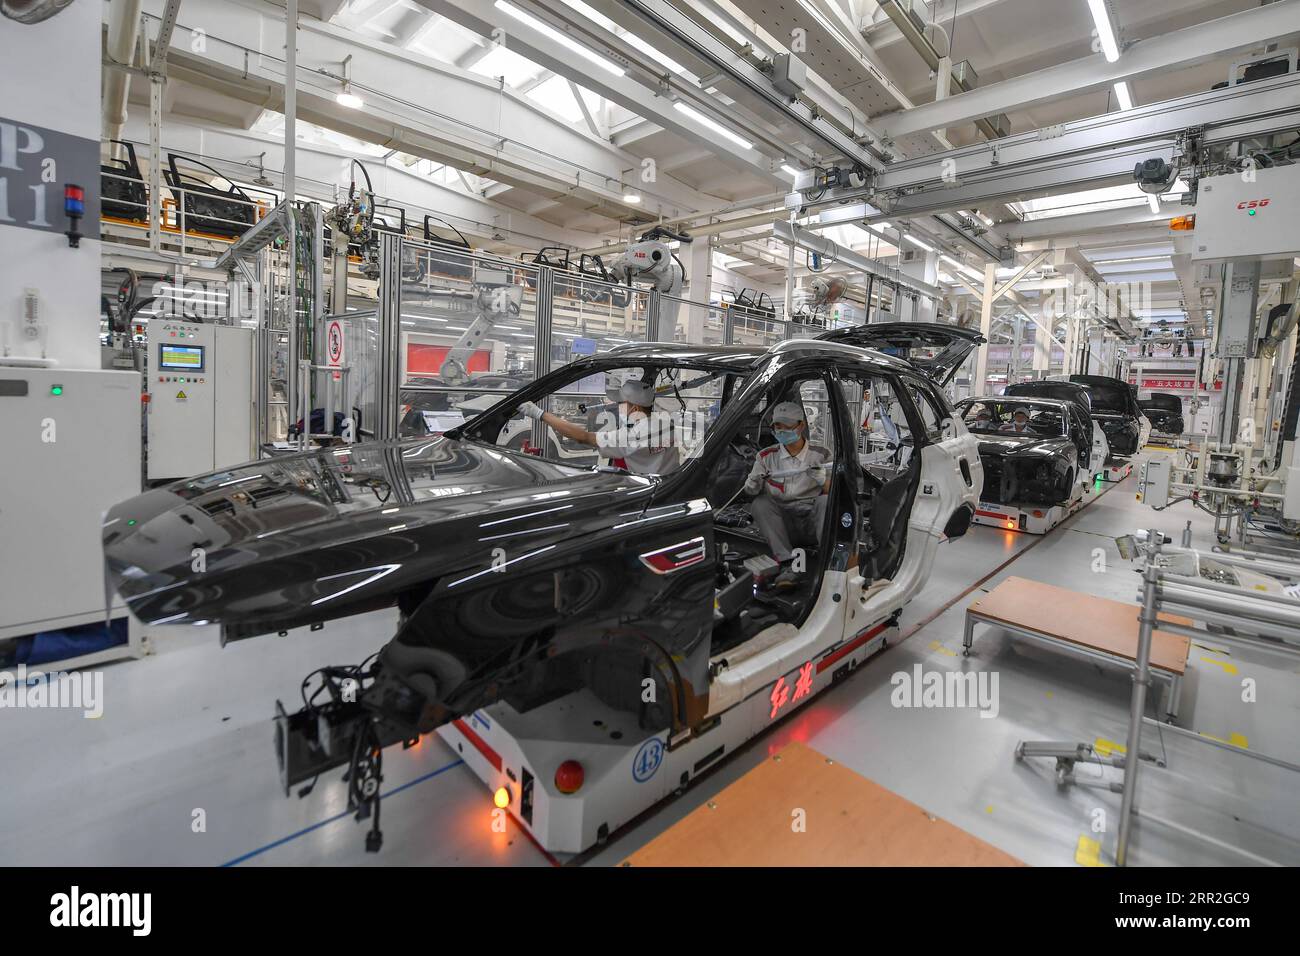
710	124
1105	29
345	96
1154	201
917	242
551	33
1122	96
790	171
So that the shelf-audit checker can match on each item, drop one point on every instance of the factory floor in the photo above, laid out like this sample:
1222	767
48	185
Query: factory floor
180	768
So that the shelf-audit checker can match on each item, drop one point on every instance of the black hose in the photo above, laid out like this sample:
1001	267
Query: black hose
364	172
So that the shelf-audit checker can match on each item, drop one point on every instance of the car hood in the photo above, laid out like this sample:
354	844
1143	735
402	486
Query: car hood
309	537
1025	446
937	350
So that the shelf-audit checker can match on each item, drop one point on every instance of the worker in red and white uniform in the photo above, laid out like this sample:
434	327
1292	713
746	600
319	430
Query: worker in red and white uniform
636	438
790	481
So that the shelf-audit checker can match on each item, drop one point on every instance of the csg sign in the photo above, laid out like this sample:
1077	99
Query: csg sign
1254	204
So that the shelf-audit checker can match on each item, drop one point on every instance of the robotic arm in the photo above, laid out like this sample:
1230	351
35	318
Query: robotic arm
496	298
652	263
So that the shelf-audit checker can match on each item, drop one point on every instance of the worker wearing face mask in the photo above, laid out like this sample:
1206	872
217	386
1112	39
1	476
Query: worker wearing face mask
791	480
1019	423
634	438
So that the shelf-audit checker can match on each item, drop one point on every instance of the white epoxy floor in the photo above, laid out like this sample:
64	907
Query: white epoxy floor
188	729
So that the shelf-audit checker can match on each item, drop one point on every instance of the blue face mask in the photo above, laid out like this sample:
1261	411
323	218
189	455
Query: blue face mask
786	437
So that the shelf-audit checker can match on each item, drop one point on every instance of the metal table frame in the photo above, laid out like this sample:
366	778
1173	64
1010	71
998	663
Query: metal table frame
1173	693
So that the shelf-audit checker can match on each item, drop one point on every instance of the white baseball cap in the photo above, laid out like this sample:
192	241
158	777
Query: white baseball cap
788	412
637	392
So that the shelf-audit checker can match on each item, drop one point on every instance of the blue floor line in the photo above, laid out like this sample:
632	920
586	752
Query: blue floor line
338	816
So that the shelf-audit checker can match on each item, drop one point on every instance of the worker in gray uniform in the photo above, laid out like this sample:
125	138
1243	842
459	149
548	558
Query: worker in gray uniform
636	438
790	480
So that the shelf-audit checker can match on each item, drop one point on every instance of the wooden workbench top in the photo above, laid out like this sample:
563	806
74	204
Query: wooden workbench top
1084	619
849	821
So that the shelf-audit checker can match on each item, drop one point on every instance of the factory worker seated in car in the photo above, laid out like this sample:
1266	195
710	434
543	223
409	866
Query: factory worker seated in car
791	480
634	438
1019	423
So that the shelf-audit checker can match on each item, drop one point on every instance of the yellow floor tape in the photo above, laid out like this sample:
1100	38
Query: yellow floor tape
1107	748
1228	667
1088	851
936	646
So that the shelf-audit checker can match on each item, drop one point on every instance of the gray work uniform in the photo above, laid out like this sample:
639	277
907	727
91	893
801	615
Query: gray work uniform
643	450
790	505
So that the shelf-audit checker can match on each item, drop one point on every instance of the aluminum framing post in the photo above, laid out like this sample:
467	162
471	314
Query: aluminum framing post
389	319
1137	710
981	372
542	338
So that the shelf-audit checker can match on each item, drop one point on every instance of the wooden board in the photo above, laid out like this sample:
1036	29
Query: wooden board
1094	622
849	821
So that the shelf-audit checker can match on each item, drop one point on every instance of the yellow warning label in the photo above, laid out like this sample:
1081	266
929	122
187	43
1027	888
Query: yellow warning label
181	395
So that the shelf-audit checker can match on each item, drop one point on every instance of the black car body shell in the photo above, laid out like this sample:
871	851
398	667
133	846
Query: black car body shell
1165	411
1116	410
1032	468
517	578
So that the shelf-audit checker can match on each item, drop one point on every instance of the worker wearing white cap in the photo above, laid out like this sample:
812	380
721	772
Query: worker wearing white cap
632	440
791	480
1019	421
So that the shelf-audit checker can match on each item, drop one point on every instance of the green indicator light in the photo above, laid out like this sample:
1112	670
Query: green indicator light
130	521
56	389
1251	213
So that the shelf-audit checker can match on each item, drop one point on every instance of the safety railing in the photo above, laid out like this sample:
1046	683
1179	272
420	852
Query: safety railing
193	220
1259	620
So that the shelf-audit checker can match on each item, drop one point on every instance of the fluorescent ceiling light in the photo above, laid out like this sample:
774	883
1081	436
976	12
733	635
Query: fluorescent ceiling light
1154	201
631	39
1105	29
881	226
631	196
917	242
705	121
790	171
1122	95
349	99
568	42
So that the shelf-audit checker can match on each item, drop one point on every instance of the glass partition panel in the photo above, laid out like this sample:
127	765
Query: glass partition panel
590	317
697	323
468	334
755	330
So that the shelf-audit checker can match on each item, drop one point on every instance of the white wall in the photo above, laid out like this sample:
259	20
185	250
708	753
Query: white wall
52	81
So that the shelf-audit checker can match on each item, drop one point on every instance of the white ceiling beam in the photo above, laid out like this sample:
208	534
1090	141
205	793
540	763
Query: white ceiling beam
1082	224
473	124
633	132
483	18
884	33
1246	30
586	113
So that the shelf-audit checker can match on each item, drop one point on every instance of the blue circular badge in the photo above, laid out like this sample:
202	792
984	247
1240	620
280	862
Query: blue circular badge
647	760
